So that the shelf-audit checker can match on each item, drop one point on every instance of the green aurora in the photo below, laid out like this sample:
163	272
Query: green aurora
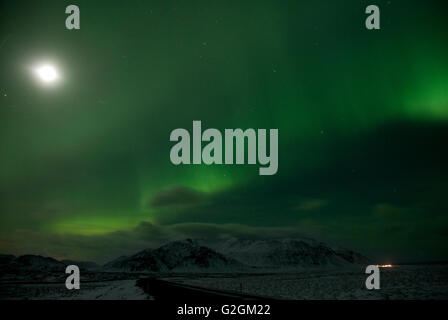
362	118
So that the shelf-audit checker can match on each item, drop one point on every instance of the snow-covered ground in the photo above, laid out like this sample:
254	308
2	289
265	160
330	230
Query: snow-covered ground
400	282
420	282
105	290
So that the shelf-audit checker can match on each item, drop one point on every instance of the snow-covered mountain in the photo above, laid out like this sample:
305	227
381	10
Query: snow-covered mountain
233	255
39	263
30	262
285	253
188	255
229	255
143	261
352	257
177	256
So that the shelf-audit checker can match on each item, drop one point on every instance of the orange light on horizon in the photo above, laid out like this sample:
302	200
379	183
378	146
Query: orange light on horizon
384	265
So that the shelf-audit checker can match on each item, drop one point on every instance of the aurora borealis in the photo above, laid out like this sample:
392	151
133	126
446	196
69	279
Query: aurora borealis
362	118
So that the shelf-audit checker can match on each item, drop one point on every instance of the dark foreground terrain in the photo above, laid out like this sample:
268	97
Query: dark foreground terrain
407	282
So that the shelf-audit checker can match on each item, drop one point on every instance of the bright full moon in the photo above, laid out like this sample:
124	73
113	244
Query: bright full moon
47	73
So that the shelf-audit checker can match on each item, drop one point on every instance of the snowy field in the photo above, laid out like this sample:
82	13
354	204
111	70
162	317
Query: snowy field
421	282
104	290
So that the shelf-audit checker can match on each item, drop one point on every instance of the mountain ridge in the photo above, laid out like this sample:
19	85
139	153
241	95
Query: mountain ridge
200	255
233	255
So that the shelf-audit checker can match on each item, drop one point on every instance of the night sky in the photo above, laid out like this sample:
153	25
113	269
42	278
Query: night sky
362	116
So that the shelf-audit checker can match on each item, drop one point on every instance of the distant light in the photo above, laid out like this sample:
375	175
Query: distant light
47	73
384	265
